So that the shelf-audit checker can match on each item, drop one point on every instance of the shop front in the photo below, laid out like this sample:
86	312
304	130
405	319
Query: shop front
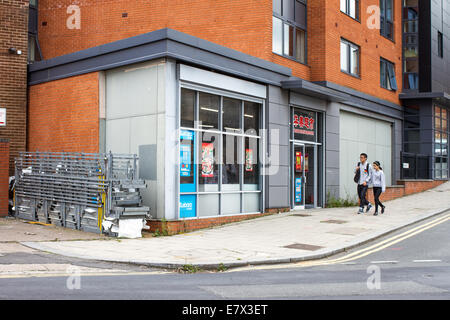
306	159
221	148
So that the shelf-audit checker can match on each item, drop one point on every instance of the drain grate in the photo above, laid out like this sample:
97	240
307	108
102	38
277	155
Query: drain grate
334	221
302	215
303	246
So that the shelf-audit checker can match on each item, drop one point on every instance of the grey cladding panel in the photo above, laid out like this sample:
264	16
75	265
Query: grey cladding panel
278	197
147	162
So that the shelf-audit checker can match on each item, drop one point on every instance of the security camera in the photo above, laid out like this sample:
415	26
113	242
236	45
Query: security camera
15	51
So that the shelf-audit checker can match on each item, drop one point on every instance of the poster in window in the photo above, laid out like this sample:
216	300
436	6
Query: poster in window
298	161
248	160
207	160
187	206
298	190
185	159
186	145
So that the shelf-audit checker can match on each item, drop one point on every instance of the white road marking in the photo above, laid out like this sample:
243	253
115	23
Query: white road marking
427	261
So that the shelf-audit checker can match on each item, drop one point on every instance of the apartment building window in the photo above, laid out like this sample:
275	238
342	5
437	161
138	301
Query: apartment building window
350	58
289	29
350	8
440	142
34	52
387	75
410	45
440	45
387	19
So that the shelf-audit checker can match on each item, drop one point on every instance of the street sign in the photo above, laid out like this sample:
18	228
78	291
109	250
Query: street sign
2	117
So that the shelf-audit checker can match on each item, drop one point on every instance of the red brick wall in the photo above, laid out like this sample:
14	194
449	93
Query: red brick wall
405	188
4	177
245	26
325	48
64	115
13	73
174	227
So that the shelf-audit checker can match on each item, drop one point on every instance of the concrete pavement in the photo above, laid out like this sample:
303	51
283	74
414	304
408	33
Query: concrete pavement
282	238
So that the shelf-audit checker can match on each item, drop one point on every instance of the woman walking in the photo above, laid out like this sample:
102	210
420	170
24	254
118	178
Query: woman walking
379	186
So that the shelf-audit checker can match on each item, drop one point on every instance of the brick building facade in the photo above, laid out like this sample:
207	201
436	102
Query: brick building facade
13	71
319	82
4	176
245	26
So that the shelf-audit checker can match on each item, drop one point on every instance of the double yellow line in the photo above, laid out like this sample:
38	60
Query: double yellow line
360	253
381	245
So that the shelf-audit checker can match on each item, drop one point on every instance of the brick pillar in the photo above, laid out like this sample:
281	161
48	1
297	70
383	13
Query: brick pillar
4	177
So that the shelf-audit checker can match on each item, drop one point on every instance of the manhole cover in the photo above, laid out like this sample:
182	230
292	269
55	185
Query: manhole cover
302	215
334	221
303	246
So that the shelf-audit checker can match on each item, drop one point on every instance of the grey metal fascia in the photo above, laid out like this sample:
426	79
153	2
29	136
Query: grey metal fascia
359	94
309	88
375	108
153	45
424	95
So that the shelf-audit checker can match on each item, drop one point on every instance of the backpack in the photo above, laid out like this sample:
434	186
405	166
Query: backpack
358	173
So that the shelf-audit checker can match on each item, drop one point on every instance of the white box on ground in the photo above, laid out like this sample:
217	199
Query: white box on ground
130	228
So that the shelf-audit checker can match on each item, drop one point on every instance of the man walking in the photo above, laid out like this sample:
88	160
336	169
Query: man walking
365	175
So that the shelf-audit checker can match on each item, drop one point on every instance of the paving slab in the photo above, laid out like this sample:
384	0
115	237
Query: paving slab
262	240
14	230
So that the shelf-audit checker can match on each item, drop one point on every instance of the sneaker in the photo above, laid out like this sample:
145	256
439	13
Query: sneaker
375	214
369	206
361	210
382	209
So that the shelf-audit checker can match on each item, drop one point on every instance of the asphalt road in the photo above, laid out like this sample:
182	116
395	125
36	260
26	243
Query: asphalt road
413	263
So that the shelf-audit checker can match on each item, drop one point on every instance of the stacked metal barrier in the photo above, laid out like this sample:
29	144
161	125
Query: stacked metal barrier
78	190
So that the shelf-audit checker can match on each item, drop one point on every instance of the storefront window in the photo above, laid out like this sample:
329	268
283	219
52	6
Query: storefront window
251	165
187	108
208	205
251	118
231	169
209	111
231	115
208	166
440	143
220	169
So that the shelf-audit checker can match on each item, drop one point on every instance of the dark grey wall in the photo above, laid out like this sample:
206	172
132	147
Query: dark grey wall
440	21
278	150
332	120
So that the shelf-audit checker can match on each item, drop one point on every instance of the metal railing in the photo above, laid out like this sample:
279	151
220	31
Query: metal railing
78	190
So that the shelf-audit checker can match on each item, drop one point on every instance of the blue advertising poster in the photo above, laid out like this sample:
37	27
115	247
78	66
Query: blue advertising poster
187	206
298	190
186	135
186	153
185	160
